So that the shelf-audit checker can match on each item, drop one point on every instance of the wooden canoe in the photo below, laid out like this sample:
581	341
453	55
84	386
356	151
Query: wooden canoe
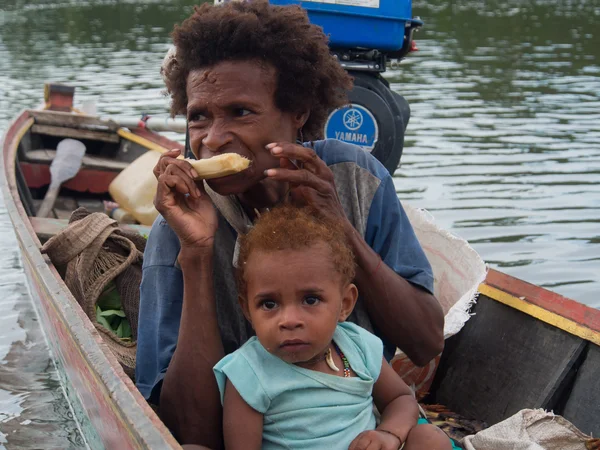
525	347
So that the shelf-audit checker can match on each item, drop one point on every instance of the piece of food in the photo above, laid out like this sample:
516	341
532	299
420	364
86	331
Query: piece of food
219	166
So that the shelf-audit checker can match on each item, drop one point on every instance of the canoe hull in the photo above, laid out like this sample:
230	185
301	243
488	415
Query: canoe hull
518	353
110	411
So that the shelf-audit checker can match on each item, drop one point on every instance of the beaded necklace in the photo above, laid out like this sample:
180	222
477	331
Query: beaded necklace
332	365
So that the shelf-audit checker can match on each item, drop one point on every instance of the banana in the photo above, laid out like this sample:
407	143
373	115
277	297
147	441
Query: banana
219	166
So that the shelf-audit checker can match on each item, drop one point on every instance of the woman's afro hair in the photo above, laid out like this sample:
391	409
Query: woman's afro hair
310	79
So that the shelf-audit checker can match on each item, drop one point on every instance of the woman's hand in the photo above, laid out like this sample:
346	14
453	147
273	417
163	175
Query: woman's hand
375	440
311	181
183	202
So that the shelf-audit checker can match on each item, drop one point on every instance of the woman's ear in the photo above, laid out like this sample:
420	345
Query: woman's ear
349	297
301	118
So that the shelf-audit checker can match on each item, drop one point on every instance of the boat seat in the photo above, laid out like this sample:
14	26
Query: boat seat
75	133
44	156
45	227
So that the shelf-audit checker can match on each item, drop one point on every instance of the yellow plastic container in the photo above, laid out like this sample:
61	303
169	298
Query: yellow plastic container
135	187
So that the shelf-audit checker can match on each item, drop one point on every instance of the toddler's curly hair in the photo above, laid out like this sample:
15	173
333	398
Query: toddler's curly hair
290	228
309	78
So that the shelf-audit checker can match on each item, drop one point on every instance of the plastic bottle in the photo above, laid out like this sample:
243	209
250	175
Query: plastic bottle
135	187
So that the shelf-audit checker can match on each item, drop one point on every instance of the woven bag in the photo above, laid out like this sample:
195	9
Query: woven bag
91	253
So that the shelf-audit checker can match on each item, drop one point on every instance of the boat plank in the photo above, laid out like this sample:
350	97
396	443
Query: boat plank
45	156
75	133
583	406
57	118
504	361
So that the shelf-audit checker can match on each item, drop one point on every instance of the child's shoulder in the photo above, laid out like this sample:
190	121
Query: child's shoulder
249	355
368	347
247	369
357	333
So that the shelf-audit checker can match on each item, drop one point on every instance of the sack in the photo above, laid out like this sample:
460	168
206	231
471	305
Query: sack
91	253
457	271
532	429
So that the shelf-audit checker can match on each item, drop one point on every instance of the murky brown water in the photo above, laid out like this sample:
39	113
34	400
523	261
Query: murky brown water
504	142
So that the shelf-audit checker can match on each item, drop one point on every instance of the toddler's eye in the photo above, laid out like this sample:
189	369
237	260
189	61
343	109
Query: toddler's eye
311	300
268	305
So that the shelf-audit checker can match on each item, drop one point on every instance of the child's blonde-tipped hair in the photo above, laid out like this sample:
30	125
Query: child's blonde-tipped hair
290	228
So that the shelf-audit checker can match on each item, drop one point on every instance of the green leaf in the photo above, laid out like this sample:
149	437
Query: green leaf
110	298
113	312
124	330
101	319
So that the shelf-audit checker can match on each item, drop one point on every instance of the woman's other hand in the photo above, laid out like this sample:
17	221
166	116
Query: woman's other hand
311	181
183	202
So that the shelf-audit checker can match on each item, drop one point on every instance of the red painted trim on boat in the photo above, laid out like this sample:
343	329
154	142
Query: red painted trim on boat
551	301
87	180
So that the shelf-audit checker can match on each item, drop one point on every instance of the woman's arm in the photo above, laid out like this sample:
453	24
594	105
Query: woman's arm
190	404
242	425
407	315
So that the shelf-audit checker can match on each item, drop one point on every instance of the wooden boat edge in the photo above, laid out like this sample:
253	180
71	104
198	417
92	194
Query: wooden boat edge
546	306
97	378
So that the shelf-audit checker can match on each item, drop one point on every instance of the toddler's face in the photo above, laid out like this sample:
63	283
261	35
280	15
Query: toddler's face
295	298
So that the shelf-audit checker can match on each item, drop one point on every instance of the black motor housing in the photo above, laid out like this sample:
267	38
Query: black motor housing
391	112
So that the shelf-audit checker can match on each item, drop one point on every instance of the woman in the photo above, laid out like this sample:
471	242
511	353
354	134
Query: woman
252	79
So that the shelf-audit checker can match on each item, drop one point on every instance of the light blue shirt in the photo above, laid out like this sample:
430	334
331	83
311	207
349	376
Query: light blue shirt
302	408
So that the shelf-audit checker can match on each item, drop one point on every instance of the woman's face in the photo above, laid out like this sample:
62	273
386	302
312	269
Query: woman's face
231	109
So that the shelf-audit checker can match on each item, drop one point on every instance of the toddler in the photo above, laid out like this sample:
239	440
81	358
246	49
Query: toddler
308	379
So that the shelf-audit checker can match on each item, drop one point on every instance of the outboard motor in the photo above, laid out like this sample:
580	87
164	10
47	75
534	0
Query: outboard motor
364	35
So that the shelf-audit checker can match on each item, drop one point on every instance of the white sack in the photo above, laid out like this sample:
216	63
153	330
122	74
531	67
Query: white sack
457	268
529	429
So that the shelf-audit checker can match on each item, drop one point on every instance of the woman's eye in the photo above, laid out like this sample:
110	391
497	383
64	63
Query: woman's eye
311	300
241	112
268	305
196	118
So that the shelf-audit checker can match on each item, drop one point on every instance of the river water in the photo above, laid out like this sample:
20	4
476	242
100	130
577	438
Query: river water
503	146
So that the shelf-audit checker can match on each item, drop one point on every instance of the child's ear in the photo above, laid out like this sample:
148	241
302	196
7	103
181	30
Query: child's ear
244	305
350	295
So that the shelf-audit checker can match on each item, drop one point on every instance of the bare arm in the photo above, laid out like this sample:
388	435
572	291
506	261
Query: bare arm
389	298
399	413
411	318
242	425
190	404
395	401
